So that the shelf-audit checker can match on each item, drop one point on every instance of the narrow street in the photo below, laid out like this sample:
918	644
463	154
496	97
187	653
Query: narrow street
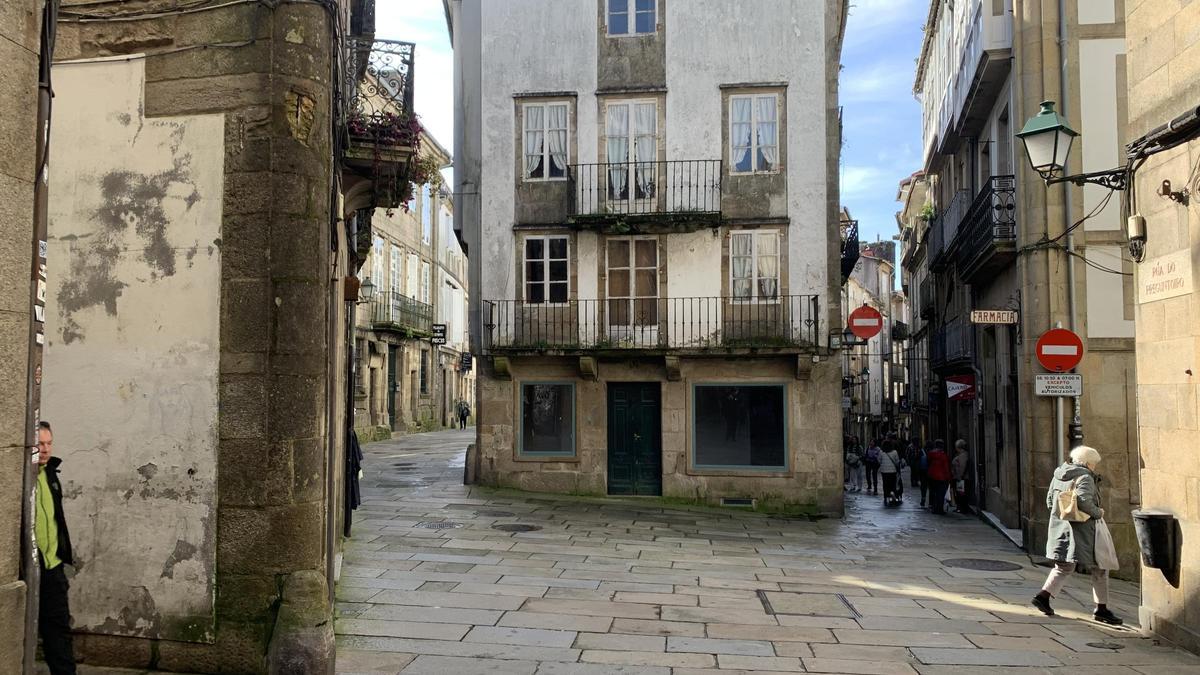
443	578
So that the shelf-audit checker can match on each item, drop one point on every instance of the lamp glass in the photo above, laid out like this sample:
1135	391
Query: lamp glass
367	290
1047	139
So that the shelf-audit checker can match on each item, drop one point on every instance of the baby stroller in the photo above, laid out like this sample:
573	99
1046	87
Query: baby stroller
893	486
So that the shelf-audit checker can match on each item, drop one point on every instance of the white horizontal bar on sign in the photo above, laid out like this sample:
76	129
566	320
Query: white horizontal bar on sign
866	322
1060	350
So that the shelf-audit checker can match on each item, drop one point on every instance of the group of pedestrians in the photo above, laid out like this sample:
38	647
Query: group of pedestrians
940	478
882	459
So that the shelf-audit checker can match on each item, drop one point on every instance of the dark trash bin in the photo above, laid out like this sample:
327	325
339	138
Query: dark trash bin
1156	537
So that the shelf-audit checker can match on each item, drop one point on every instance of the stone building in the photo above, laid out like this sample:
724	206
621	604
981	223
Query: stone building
1163	39
215	169
417	270
913	219
869	369
1000	240
24	49
653	229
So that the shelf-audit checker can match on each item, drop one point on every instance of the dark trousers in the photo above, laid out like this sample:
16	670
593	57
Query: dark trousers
54	622
923	483
937	495
890	483
914	474
873	477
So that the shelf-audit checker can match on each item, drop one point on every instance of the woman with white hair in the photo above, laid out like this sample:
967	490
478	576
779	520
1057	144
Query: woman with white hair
1070	543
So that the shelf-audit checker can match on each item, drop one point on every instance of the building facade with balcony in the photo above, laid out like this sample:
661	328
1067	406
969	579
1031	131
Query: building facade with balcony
415	271
999	239
920	401
872	385
657	230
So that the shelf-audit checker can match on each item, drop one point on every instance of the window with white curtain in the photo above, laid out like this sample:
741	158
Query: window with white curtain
425	282
378	254
631	148
394	270
546	270
632	17
754	266
545	141
754	133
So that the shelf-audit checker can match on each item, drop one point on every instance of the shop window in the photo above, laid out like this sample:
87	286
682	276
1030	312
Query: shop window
548	419
740	426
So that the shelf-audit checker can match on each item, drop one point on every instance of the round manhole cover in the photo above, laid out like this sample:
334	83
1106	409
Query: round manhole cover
516	527
982	565
1106	645
495	514
439	525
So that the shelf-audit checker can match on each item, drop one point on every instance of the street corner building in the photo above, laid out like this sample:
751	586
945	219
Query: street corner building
653	222
214	173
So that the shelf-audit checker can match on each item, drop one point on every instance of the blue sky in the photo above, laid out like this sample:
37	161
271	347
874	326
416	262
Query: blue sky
882	121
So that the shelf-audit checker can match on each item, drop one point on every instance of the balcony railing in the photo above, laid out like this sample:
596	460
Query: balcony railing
379	87
850	249
621	189
400	313
952	343
787	322
988	234
946	228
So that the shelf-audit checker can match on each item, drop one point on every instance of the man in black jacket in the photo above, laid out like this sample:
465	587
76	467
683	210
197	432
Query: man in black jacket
54	545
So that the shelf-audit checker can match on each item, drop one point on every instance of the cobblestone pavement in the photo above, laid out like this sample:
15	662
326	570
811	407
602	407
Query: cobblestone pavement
433	583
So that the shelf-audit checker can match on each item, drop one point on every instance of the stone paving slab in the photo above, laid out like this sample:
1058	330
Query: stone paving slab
637	587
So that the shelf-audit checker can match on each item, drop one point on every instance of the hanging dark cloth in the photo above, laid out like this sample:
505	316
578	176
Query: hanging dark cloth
354	459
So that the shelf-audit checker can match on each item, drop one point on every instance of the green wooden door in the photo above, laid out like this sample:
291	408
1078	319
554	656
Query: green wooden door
634	439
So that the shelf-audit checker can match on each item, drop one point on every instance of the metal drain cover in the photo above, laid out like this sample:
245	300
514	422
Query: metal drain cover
981	564
439	525
495	514
922	529
1106	645
516	527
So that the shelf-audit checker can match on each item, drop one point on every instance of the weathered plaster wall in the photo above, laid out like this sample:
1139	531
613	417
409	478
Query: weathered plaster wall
132	350
20	37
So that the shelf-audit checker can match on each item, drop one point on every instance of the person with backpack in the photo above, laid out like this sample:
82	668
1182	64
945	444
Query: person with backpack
890	466
854	464
871	462
939	477
960	473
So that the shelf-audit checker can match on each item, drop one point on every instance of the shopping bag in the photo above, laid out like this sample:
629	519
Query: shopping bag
1106	551
1068	505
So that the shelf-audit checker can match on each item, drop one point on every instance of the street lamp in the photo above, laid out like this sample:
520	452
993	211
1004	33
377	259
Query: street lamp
1048	140
366	292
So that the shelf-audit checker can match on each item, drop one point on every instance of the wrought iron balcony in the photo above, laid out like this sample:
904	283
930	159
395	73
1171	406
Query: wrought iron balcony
987	238
401	314
850	248
646	196
953	344
787	323
381	129
945	229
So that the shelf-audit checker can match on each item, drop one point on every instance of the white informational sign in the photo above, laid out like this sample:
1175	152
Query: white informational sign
845	403
1006	316
1058	384
1165	277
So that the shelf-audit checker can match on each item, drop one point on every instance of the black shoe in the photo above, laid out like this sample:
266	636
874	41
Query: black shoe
1043	604
1106	616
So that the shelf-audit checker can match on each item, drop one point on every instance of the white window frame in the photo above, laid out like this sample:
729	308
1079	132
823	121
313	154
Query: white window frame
426	281
545	105
630	160
395	270
633	269
544	260
754	298
754	124
379	249
426	214
631	12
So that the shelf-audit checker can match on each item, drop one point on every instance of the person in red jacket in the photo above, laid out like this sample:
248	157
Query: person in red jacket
939	477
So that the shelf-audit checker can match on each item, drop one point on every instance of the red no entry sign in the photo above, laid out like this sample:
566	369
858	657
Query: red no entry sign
1059	350
866	322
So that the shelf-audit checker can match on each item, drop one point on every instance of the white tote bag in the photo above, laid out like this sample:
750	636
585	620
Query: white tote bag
1106	551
